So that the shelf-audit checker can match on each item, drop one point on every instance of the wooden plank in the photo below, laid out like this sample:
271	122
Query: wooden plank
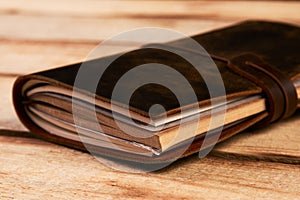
279	142
8	117
91	29
26	56
288	10
89	21
22	57
30	167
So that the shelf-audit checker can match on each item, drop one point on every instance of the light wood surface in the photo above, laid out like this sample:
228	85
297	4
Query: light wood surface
41	34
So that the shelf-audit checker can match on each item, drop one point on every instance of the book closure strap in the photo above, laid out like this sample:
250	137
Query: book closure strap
278	88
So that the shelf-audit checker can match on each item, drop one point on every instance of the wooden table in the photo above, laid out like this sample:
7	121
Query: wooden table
39	34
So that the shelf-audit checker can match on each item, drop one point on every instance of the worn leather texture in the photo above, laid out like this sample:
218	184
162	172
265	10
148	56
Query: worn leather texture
275	43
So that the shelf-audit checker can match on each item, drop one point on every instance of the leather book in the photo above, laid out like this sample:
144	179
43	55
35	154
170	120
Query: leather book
161	120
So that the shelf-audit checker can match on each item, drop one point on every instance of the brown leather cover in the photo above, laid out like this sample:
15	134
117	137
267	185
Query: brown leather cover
242	51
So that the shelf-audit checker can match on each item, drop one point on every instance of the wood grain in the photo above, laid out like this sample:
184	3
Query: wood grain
26	56
279	142
91	29
228	10
38	35
22	57
51	171
99	20
41	34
